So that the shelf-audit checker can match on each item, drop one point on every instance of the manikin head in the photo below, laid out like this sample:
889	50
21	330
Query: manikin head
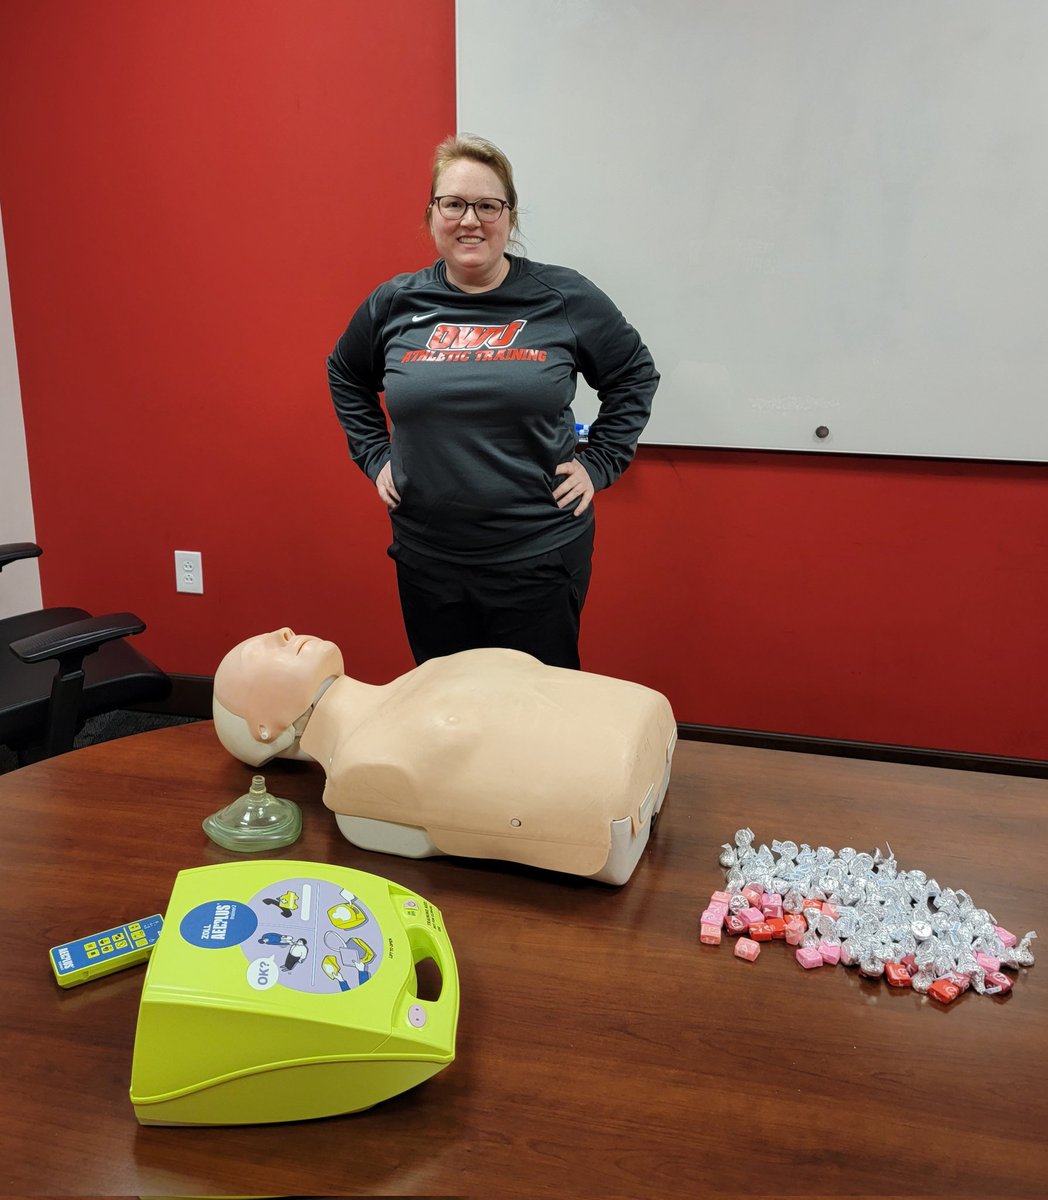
264	692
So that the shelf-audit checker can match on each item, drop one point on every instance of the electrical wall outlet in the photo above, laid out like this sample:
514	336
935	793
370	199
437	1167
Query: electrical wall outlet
189	571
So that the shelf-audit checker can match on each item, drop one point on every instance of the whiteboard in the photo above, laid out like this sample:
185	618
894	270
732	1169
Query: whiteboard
821	215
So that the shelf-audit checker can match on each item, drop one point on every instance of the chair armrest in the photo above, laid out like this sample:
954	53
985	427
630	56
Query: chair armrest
12	551
78	638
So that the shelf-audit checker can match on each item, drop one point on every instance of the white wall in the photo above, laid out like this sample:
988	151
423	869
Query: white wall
20	582
825	217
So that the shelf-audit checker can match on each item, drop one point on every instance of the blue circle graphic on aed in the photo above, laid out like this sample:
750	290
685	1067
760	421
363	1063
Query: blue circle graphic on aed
218	924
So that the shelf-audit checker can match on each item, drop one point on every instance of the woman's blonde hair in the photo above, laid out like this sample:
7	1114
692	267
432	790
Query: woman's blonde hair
476	149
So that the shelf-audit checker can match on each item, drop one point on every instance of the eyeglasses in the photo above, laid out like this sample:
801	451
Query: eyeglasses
487	208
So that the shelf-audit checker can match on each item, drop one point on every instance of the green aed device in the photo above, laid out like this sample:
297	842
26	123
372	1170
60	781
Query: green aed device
283	991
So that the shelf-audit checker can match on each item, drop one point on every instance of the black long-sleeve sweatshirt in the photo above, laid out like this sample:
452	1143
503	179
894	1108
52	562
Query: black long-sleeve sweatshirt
479	389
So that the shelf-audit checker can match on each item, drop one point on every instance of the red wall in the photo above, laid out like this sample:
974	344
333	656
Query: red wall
870	599
196	195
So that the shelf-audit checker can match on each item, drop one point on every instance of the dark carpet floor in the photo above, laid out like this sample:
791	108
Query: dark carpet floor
105	729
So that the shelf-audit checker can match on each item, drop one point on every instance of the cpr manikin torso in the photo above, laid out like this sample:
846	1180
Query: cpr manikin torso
490	753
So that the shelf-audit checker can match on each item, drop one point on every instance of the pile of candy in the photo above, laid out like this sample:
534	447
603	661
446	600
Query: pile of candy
860	910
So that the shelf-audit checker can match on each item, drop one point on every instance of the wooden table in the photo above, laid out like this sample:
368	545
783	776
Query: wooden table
602	1050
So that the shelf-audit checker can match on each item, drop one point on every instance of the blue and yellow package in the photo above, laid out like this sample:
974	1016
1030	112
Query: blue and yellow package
283	990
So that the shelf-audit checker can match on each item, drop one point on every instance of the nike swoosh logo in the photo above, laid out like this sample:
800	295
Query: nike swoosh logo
424	317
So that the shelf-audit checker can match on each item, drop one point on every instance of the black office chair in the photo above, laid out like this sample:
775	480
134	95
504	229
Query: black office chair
44	706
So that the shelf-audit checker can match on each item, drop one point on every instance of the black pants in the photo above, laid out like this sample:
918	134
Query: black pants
534	604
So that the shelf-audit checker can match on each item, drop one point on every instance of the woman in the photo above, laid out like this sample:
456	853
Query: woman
478	355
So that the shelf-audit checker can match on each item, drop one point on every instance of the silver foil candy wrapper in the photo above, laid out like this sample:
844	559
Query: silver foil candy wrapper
922	981
1020	955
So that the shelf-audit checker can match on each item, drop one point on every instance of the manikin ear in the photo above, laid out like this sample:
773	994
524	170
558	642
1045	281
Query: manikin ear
285	743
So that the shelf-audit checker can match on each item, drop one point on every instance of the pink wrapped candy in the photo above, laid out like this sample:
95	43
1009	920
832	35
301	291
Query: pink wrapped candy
747	949
829	952
794	931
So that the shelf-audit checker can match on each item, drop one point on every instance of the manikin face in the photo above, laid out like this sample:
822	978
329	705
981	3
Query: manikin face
473	250
272	679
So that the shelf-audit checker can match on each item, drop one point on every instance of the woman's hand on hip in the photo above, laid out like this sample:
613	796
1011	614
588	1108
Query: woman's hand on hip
575	487
387	493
